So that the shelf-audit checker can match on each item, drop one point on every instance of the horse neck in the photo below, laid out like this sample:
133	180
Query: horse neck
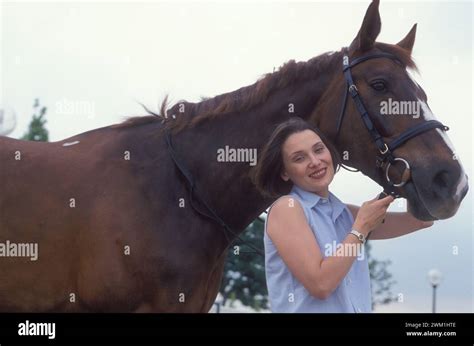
225	185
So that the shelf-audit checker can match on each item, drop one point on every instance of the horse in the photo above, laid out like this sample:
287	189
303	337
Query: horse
112	211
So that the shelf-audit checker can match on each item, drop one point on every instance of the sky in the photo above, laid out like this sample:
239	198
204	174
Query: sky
92	62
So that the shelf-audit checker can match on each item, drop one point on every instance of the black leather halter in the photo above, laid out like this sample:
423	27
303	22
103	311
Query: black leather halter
385	157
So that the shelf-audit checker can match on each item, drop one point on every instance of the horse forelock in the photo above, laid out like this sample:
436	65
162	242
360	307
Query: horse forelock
401	54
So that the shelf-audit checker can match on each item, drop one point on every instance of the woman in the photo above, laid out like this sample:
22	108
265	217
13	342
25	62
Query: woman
314	252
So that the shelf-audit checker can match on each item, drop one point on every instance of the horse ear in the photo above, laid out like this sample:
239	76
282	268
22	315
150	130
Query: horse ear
369	30
409	40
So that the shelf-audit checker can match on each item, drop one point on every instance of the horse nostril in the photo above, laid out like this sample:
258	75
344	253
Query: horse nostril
441	184
441	179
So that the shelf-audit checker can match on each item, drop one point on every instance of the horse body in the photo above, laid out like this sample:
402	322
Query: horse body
101	243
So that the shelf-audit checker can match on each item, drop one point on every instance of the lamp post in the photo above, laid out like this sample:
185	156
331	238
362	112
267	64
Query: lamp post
218	302
434	276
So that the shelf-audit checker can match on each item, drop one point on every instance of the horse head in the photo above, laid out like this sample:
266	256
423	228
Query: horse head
396	108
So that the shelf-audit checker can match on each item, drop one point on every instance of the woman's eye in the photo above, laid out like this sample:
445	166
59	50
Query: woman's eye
318	150
379	85
298	158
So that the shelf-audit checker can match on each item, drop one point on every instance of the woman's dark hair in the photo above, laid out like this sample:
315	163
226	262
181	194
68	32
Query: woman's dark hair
267	174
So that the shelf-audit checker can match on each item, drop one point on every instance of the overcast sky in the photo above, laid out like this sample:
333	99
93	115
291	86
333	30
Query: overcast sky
90	62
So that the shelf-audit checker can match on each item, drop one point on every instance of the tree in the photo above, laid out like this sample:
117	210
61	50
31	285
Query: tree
37	130
244	273
380	278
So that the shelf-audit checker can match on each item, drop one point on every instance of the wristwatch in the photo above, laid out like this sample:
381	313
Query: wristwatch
359	236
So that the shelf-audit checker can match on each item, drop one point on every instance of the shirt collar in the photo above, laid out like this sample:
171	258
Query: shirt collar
311	199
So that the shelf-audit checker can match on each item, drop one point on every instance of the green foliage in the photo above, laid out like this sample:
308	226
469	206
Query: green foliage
380	278
244	273
37	130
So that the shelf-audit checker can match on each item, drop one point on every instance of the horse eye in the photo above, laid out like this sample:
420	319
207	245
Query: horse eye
379	85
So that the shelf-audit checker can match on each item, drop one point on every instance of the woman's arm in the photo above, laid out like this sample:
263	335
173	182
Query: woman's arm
290	232
396	224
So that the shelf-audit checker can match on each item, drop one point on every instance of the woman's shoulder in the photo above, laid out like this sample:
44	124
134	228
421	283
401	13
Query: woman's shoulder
285	206
286	212
286	201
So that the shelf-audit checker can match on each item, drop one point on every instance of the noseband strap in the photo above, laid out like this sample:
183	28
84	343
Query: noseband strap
415	131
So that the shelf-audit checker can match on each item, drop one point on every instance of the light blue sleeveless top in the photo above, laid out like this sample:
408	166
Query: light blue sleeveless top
330	221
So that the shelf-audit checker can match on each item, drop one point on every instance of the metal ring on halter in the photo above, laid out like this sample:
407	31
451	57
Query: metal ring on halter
405	177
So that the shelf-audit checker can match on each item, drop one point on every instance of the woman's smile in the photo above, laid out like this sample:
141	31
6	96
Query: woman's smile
318	174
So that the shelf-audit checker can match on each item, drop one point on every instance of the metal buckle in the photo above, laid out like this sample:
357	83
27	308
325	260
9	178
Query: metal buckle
353	88
405	178
383	152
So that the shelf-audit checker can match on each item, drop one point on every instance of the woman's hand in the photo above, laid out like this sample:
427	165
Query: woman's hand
371	214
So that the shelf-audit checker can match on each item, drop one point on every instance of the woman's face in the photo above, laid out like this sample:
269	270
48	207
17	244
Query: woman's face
307	162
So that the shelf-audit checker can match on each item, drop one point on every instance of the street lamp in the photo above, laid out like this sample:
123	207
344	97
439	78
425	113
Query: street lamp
218	302
434	276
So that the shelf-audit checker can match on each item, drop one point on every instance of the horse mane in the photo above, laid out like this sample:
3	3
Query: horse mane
152	117
184	113
187	114
248	97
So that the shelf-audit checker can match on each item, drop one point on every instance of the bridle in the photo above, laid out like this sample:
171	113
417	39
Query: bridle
385	157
